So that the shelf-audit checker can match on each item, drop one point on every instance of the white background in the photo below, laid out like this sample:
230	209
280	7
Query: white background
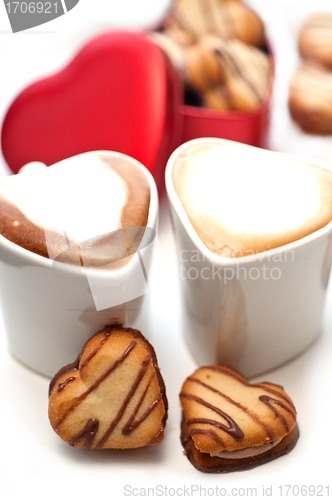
34	461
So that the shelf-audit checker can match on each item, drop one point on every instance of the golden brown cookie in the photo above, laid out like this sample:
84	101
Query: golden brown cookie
174	30
174	50
310	99
217	98
113	396
231	425
243	71
315	39
202	68
227	18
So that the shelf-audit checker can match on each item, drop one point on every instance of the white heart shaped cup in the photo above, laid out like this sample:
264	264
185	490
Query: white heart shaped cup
252	312
51	308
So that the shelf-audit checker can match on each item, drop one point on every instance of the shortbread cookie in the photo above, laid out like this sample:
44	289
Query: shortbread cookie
228	18
243	71
310	99
217	98
173	30
202	67
315	39
113	396
174	50
231	425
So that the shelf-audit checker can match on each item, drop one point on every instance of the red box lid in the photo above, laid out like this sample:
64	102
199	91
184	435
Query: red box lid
120	92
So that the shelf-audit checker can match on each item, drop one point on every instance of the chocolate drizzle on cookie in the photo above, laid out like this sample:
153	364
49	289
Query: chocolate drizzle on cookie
258	421
237	69
65	369
132	424
268	401
130	394
63	384
233	428
88	433
92	426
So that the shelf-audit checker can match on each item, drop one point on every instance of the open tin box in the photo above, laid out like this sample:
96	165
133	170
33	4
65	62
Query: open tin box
119	93
248	127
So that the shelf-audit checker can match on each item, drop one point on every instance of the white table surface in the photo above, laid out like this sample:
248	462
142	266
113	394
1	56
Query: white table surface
34	460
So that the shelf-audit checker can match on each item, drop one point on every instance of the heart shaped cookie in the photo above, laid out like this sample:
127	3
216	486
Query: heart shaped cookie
113	396
231	425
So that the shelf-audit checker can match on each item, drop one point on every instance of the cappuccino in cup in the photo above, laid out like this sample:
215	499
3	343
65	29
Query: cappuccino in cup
76	247
242	201
254	235
90	210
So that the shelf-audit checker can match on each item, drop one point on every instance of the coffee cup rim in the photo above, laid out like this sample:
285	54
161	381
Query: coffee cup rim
45	262
198	243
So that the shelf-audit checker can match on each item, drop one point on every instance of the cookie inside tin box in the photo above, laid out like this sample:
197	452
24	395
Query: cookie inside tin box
225	63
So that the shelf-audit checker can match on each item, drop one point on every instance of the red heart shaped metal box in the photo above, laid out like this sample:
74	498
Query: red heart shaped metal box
120	93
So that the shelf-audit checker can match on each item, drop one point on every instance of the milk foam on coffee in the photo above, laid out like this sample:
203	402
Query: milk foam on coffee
243	200
89	210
